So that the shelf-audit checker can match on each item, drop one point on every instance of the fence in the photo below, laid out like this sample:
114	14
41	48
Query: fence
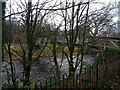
104	76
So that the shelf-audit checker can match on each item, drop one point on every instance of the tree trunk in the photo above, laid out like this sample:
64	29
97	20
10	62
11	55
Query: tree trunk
27	75
71	72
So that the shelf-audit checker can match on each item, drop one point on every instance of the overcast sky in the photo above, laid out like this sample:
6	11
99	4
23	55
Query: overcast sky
93	6
96	5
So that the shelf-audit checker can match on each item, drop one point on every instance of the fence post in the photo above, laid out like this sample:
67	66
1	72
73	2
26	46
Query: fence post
50	84
59	82
63	81
76	79
92	75
85	77
67	81
46	84
81	75
97	72
119	74
90	78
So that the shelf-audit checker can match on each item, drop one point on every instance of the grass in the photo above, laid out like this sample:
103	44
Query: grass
46	52
15	47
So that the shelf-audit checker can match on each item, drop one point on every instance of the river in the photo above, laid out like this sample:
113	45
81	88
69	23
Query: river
40	70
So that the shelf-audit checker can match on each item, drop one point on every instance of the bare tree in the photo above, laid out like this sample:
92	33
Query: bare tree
7	47
100	21
72	19
29	28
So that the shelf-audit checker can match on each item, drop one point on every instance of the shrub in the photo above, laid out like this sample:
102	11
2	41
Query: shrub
108	55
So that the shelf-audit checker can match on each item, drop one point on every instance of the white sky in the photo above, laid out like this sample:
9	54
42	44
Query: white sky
92	6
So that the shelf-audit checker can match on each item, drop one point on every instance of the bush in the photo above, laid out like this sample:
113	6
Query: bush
108	55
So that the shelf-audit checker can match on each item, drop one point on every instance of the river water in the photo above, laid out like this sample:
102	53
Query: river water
41	70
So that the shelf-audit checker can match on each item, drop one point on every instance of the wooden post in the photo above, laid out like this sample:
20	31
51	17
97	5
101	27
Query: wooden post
119	23
3	25
2	14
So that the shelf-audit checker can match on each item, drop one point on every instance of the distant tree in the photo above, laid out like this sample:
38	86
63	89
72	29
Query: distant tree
100	20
